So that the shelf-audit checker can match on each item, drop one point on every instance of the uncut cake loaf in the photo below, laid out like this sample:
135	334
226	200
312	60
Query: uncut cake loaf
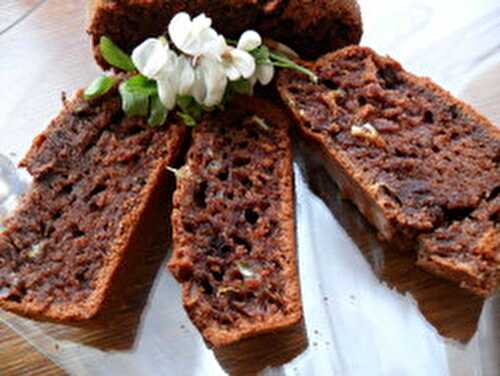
95	174
418	163
234	227
309	27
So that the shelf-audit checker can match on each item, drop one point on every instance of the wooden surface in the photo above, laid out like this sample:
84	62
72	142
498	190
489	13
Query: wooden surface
42	39
19	358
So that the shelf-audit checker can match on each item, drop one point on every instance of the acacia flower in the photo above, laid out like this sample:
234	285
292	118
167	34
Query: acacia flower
191	37
151	57
237	61
210	81
186	75
194	74
155	60
264	73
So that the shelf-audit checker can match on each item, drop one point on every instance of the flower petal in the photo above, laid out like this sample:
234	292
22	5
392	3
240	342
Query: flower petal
215	81
244	62
199	90
232	72
265	73
186	75
200	23
150	57
253	81
179	29
167	92
191	36
249	40
214	46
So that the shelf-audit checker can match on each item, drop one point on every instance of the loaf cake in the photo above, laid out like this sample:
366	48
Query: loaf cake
95	172
233	225
311	28
416	161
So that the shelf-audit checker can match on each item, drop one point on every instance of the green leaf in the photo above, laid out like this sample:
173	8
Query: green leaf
158	113
189	106
184	101
241	87
142	85
134	103
99	87
261	55
187	119
114	56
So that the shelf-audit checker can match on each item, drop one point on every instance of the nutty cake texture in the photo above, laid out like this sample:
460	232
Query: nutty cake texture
309	27
467	251
413	159
95	173
233	225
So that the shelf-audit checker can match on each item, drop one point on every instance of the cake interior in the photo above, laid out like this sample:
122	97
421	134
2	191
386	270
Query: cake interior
92	169
419	164
427	158
233	226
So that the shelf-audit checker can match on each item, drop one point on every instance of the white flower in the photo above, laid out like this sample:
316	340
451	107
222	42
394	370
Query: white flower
174	74
186	75
205	64
264	73
191	36
249	40
167	90
154	60
238	62
151	57
210	82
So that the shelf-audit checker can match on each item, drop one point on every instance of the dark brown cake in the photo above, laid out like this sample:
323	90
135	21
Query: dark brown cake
233	225
309	27
411	157
95	173
467	251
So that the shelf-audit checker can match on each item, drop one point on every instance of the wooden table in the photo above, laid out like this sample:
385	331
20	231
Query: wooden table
44	51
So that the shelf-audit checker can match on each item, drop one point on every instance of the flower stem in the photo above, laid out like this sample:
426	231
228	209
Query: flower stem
284	62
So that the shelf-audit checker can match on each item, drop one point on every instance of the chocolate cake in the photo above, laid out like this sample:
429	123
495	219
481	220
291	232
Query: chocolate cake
467	251
233	225
95	173
415	160
311	28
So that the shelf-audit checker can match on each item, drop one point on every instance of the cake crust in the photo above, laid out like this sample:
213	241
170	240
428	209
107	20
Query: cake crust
310	28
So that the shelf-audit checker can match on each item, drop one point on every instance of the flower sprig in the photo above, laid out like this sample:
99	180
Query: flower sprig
196	70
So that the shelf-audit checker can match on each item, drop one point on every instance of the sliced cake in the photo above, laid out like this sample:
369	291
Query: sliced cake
233	225
95	173
409	155
311	28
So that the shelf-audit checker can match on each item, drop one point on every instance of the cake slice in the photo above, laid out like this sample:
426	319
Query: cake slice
311	28
95	173
233	225
412	158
